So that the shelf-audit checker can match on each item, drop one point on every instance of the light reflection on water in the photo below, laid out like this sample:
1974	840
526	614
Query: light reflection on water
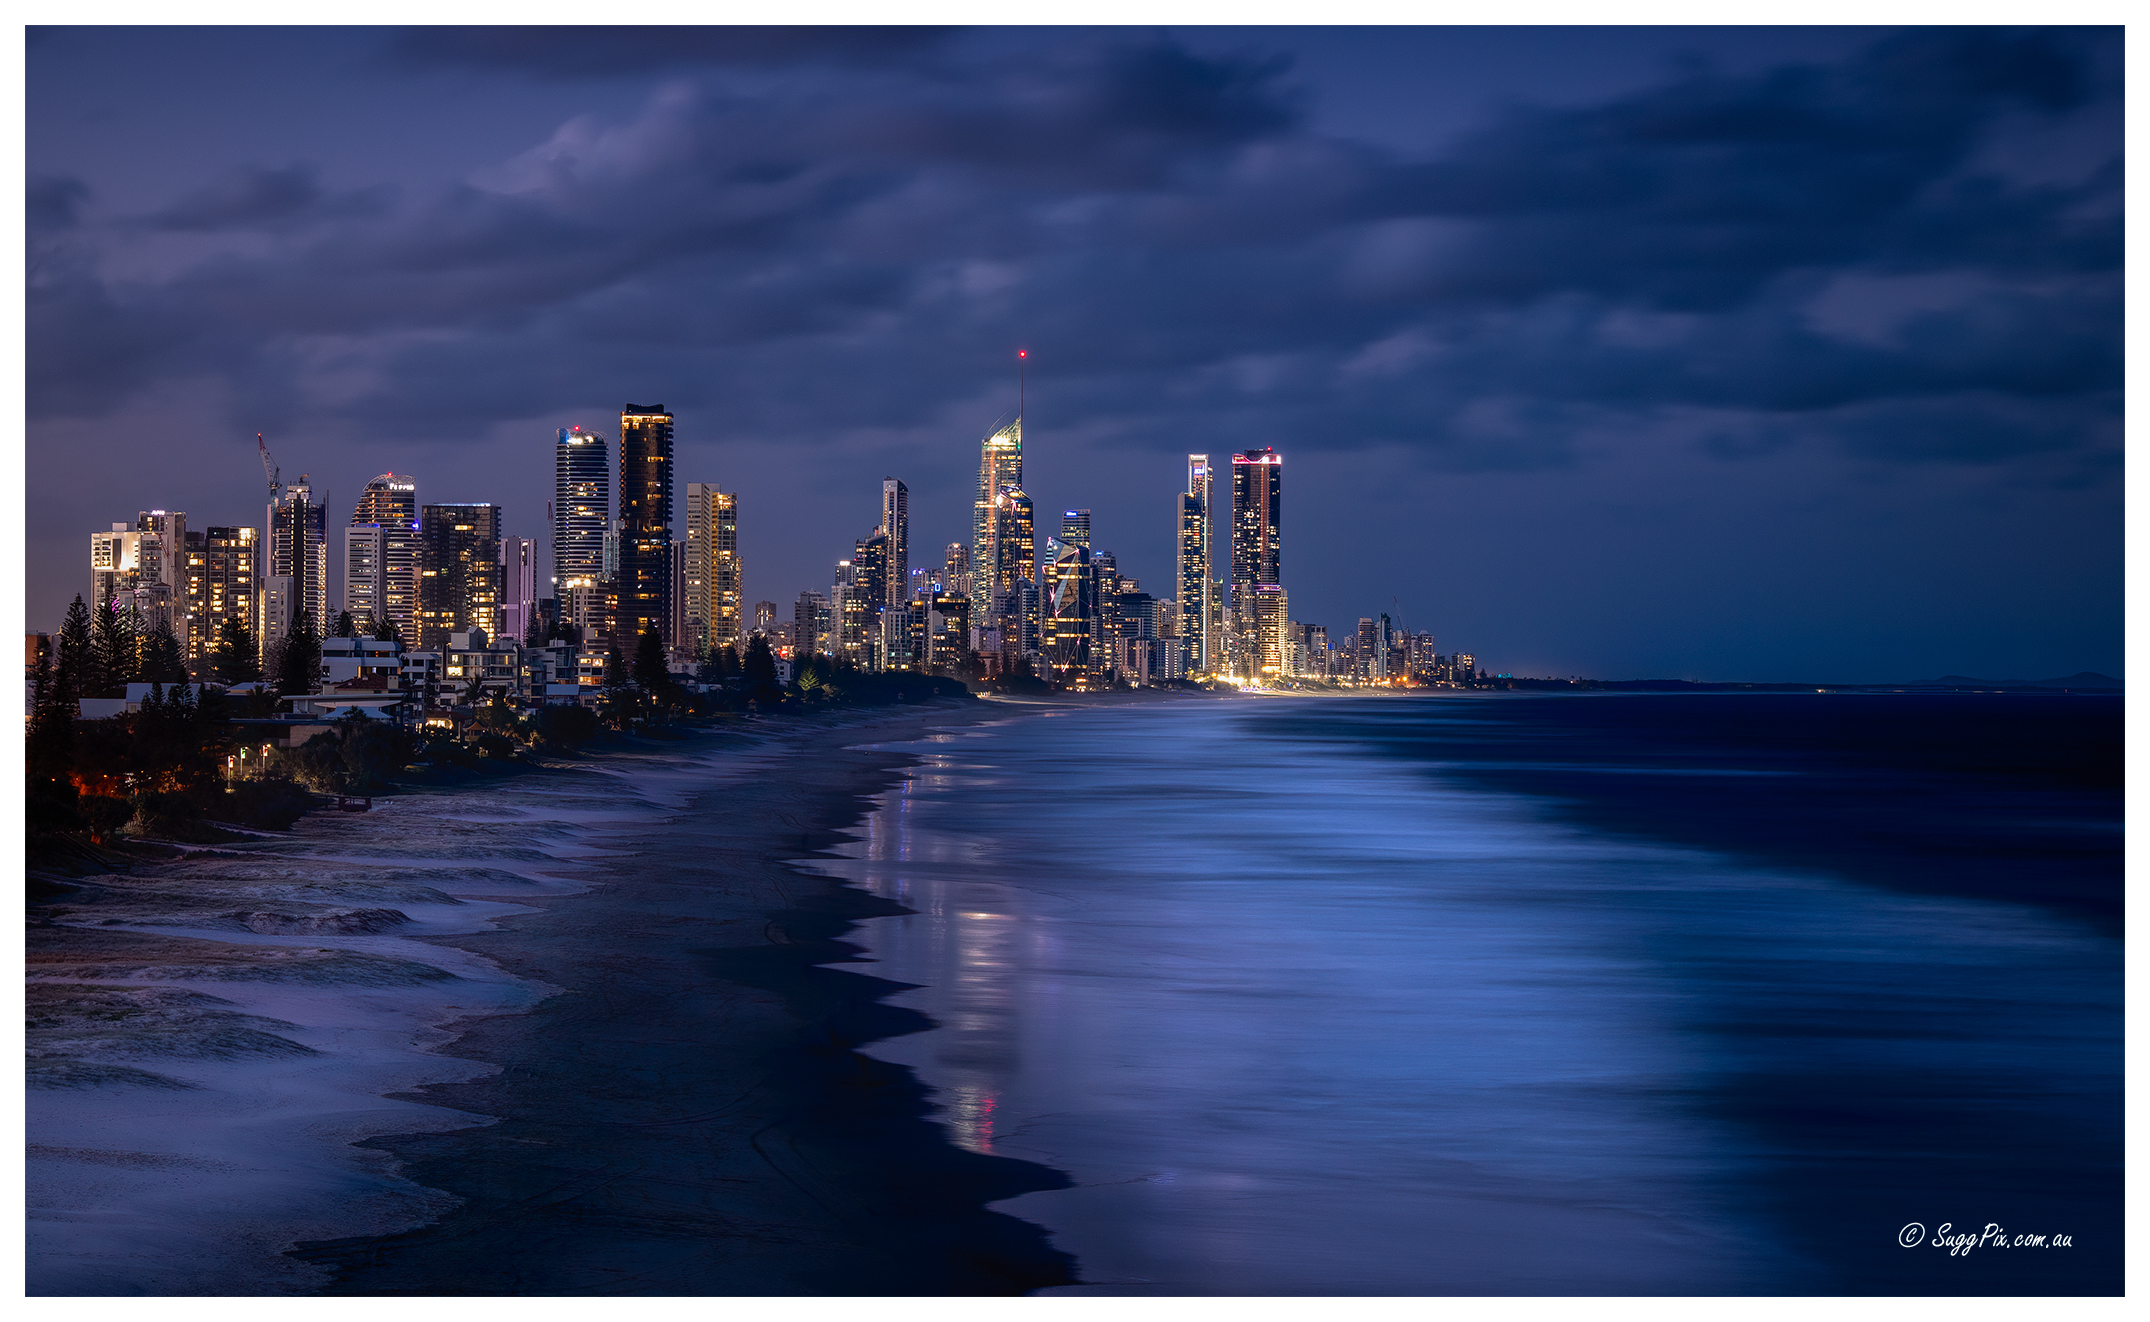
1300	1021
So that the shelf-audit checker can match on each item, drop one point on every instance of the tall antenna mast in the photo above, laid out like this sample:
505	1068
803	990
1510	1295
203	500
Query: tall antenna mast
1022	381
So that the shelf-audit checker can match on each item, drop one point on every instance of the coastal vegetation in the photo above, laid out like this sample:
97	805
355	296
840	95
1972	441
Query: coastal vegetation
184	764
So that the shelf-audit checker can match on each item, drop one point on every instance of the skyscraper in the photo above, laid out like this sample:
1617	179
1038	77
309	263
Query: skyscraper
518	586
380	555
645	521
1195	540
459	572
1257	558
1068	607
1015	571
896	526
219	586
389	498
955	564
581	509
810	625
712	578
1000	465
1075	527
295	547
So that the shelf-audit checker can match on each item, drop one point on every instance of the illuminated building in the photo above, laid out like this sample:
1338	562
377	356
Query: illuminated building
1267	644
380	554
1195	590
219	586
955	565
896	527
1000	466
389	498
1068	607
459	578
1257	561
1015	571
581	509
518	587
943	631
645	522
854	601
710	571
295	546
810	625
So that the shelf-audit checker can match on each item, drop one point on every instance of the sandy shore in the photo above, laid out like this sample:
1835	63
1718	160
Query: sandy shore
509	1039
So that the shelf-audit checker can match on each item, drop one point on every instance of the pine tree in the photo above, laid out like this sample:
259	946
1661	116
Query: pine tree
346	627
75	673
651	675
728	666
759	667
238	660
385	631
537	633
113	643
298	662
163	660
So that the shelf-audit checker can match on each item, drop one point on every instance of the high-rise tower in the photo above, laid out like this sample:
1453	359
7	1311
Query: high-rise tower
1000	464
296	548
459	572
896	526
380	555
1257	560
219	586
581	509
710	547
1195	541
645	575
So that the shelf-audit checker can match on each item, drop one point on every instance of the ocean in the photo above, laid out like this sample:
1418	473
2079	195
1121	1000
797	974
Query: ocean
1519	994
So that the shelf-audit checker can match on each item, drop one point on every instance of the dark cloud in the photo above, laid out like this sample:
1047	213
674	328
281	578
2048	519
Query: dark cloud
54	203
602	52
1813	256
261	197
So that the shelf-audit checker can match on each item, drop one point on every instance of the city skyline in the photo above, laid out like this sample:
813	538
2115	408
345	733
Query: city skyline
1869	432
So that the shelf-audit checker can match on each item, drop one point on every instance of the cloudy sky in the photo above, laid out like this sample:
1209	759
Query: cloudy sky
1745	353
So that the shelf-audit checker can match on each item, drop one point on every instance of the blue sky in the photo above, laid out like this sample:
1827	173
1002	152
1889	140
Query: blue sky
1729	353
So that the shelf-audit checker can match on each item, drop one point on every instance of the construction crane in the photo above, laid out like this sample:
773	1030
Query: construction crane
270	470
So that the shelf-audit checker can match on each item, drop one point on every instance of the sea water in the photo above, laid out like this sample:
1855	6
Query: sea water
1505	995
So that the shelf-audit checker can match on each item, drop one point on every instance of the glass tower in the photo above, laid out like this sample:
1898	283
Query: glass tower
1000	465
1195	541
459	573
896	526
581	509
1257	558
645	575
380	556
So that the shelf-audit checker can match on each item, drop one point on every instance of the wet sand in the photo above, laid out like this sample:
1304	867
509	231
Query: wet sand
692	1115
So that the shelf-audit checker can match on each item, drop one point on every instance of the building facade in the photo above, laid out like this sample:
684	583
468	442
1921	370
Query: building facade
1000	467
459	573
380	555
710	575
518	587
581	509
295	546
896	527
220	572
645	518
1257	562
1195	541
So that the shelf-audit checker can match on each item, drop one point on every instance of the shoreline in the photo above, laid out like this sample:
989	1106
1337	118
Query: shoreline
692	1116
310	1080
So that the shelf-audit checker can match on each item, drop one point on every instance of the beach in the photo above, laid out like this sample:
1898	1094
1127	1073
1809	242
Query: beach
510	1038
